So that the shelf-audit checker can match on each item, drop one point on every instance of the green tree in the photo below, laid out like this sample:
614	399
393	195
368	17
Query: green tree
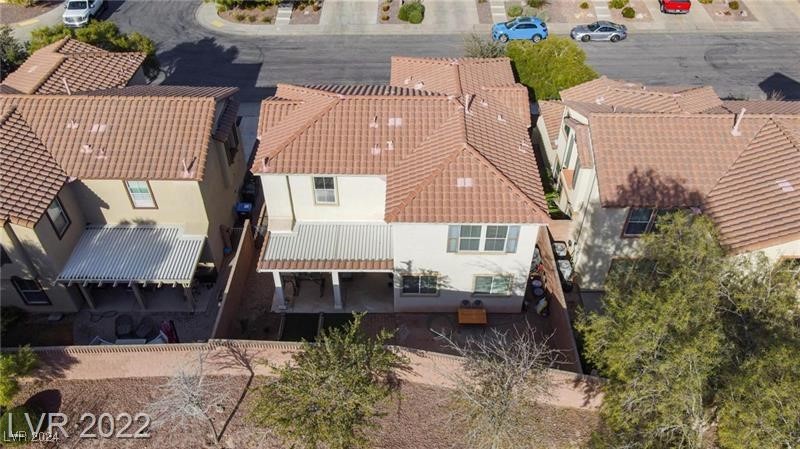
679	325
549	66
12	52
333	391
104	34
20	363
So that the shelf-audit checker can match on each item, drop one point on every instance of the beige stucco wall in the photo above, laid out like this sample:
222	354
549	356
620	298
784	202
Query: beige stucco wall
278	200
359	198
789	250
47	253
420	247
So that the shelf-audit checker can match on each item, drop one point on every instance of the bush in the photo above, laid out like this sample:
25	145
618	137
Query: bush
266	19
263	7
617	4
239	17
13	423
552	65
415	17
733	5
12	366
628	12
514	11
405	11
706	2
24	3
536	3
316	7
386	7
301	7
584	5
385	17
251	19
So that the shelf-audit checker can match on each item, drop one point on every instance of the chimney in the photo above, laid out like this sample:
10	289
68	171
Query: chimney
735	131
66	85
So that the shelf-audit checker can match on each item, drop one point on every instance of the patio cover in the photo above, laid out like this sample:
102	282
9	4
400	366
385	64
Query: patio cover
330	246
135	253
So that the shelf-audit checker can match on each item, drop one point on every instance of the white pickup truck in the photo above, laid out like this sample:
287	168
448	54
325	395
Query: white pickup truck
78	12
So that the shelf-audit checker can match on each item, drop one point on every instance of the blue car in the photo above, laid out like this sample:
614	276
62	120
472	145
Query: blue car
528	28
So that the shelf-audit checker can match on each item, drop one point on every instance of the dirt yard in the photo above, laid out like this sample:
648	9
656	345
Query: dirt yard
720	11
419	418
251	14
14	13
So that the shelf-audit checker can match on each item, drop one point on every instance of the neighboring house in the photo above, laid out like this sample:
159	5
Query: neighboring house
624	153
120	188
419	194
69	66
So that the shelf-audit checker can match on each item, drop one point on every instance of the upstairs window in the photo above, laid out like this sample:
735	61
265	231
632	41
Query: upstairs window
495	238
420	285
141	196
471	238
324	190
497	285
30	291
642	220
58	218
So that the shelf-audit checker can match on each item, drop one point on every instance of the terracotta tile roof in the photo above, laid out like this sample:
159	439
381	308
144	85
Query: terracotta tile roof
122	136
552	113
370	89
762	106
217	93
583	142
764	181
31	178
443	163
71	63
625	96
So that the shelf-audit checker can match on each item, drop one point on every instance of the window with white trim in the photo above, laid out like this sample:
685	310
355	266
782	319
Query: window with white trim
30	291
420	285
499	285
324	190
495	238
141	196
57	216
469	238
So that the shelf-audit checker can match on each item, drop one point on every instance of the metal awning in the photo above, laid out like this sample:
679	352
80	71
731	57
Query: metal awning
133	253
330	246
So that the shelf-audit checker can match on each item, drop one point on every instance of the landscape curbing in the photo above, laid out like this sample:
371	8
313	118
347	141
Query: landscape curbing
224	357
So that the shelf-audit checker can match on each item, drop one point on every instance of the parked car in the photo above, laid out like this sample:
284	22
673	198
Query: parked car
675	6
599	31
528	28
78	12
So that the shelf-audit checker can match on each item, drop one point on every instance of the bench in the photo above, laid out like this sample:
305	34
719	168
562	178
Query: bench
472	316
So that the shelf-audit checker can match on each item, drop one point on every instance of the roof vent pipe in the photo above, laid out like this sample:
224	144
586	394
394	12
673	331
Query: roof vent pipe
374	122
735	131
467	102
66	85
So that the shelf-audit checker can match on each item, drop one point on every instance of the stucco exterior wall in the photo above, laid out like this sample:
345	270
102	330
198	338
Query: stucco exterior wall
788	250
359	198
278	199
422	248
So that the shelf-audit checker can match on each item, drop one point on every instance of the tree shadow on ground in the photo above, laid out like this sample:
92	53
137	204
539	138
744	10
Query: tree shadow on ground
781	85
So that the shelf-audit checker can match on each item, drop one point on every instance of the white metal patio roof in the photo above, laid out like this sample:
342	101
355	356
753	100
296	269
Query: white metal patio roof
352	246
133	253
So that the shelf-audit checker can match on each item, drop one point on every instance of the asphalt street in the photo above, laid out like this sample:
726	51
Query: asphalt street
740	66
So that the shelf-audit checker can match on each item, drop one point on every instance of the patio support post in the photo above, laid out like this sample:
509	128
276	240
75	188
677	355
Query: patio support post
137	292
86	295
337	291
279	295
187	292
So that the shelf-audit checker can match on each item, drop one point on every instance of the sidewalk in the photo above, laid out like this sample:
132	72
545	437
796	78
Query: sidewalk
22	30
348	17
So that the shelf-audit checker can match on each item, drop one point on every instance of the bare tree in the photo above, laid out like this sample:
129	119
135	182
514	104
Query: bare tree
505	374
189	396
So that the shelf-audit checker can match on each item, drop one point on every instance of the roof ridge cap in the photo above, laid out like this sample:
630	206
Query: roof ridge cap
795	141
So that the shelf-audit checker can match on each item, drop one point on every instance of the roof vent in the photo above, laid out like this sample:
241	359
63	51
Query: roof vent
72	124
419	85
484	103
408	80
735	131
500	118
464	182
86	148
187	168
600	100
101	154
66	85
785	185
376	150
395	122
99	128
390	145
467	102
374	122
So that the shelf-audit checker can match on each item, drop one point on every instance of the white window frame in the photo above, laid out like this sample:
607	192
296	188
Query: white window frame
470	238
486	239
494	277
324	190
141	200
419	283
60	213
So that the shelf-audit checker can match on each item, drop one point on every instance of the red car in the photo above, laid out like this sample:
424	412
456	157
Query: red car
675	6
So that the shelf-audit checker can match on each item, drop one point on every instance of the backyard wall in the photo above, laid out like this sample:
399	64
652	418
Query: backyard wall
232	296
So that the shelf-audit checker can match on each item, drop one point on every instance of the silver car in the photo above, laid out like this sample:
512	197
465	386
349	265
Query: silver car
599	31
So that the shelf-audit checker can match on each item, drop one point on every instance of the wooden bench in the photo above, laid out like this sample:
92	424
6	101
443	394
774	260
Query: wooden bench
472	316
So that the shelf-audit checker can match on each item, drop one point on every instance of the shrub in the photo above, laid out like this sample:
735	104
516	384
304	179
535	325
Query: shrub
13	423
24	3
733	5
12	366
251	19
584	5
536	3
386	7
514	11
316	7
221	8
266	19
552	65
617	4
385	17
239	17
263	7
301	6
405	11
415	17
628	12
706	2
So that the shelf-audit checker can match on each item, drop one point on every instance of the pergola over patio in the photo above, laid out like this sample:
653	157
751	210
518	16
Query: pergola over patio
133	256
327	248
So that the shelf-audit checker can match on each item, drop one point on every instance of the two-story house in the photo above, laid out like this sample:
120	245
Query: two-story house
422	195
624	153
125	188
